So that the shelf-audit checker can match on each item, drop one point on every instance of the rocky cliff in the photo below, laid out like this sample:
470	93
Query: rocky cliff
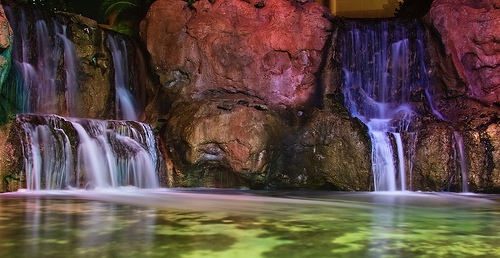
247	98
250	94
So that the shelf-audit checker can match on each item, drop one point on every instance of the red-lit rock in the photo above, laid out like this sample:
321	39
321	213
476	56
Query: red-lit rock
269	50
465	69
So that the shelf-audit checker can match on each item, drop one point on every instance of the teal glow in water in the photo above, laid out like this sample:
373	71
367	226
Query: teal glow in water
208	223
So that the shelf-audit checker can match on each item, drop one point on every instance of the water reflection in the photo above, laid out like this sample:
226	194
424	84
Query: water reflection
209	223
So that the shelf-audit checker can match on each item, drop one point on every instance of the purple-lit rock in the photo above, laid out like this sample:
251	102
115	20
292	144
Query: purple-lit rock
465	59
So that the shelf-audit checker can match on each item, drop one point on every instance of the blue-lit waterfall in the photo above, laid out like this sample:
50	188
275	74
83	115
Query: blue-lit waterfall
382	64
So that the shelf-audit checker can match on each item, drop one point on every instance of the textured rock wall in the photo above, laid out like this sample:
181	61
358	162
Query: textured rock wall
6	37
245	80
465	57
269	50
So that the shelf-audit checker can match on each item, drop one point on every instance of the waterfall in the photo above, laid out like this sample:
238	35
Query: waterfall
125	103
69	152
42	53
382	64
71	75
40	84
460	156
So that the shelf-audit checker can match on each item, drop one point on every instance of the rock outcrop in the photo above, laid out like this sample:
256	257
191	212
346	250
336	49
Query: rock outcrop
6	37
223	142
268	50
465	57
244	80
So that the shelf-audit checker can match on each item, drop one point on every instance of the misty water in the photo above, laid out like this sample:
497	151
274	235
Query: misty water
130	222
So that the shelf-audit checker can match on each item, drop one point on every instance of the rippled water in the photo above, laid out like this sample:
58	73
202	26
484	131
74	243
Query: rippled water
231	223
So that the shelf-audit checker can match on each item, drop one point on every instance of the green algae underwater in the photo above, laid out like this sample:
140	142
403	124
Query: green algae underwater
242	223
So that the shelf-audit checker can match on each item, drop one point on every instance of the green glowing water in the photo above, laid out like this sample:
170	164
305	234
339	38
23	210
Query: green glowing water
242	224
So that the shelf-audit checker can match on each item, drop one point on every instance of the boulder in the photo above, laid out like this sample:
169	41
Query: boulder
465	57
221	142
483	158
269	50
325	150
435	158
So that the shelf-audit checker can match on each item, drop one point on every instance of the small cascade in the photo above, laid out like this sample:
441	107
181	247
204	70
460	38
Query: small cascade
125	102
460	156
41	86
382	64
47	156
68	152
71	75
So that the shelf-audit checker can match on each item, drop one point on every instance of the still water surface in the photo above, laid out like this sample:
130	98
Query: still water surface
232	223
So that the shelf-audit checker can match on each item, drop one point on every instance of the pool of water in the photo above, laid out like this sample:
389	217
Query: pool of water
239	223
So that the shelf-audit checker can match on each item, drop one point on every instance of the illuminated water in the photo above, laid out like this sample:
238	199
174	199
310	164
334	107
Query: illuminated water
230	223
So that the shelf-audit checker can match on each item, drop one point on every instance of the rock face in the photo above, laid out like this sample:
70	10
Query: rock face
483	158
7	158
6	36
96	73
434	159
270	50
223	142
244	82
465	58
325	150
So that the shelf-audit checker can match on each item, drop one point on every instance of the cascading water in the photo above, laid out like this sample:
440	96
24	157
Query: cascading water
47	155
40	82
125	103
460	156
382	65
74	152
104	153
47	60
